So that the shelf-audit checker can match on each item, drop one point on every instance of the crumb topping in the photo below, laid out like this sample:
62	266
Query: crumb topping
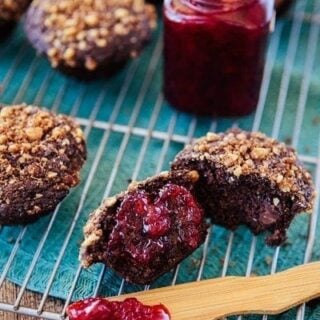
38	151
13	9
91	30
244	153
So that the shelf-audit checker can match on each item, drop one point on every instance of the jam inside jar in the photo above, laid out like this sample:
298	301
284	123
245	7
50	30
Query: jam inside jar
214	54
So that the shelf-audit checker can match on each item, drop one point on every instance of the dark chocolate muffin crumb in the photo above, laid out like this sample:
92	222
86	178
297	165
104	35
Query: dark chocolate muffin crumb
249	178
41	155
147	230
89	36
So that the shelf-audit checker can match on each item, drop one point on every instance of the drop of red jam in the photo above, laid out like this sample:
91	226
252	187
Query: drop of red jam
148	226
129	309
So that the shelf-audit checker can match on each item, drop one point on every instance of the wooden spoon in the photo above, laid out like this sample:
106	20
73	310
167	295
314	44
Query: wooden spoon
218	298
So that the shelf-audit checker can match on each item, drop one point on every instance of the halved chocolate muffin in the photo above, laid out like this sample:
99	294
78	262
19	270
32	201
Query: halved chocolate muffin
148	229
248	178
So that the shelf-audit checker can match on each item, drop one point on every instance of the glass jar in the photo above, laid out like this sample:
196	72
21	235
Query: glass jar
214	54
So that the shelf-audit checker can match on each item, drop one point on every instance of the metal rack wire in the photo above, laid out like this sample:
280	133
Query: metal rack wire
151	132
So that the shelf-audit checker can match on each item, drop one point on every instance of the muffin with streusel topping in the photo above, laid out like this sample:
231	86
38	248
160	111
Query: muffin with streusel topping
91	37
41	154
249	178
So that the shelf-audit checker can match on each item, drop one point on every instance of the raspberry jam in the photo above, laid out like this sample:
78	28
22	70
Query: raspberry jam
148	227
129	309
214	54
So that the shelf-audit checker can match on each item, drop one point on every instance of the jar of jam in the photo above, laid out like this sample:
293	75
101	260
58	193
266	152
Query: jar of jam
214	54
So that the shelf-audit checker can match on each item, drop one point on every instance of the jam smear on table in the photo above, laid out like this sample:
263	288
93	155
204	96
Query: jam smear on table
129	309
214	54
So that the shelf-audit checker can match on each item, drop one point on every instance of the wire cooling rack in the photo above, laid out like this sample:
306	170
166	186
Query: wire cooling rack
127	121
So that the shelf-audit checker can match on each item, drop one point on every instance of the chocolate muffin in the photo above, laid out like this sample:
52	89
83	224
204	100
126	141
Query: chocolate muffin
87	38
248	178
10	12
41	155
147	230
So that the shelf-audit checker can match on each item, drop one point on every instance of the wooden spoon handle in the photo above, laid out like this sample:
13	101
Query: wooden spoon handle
216	298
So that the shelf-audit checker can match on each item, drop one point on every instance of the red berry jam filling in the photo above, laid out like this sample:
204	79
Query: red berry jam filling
129	309
148	226
214	54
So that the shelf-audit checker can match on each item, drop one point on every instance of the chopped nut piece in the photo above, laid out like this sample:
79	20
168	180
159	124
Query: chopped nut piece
51	174
231	159
212	136
120	13
82	45
69	54
238	171
71	31
91	64
3	139
14	148
34	133
103	32
119	29
93	34
101	43
241	136
276	201
260	153
243	149
52	52
279	178
92	20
